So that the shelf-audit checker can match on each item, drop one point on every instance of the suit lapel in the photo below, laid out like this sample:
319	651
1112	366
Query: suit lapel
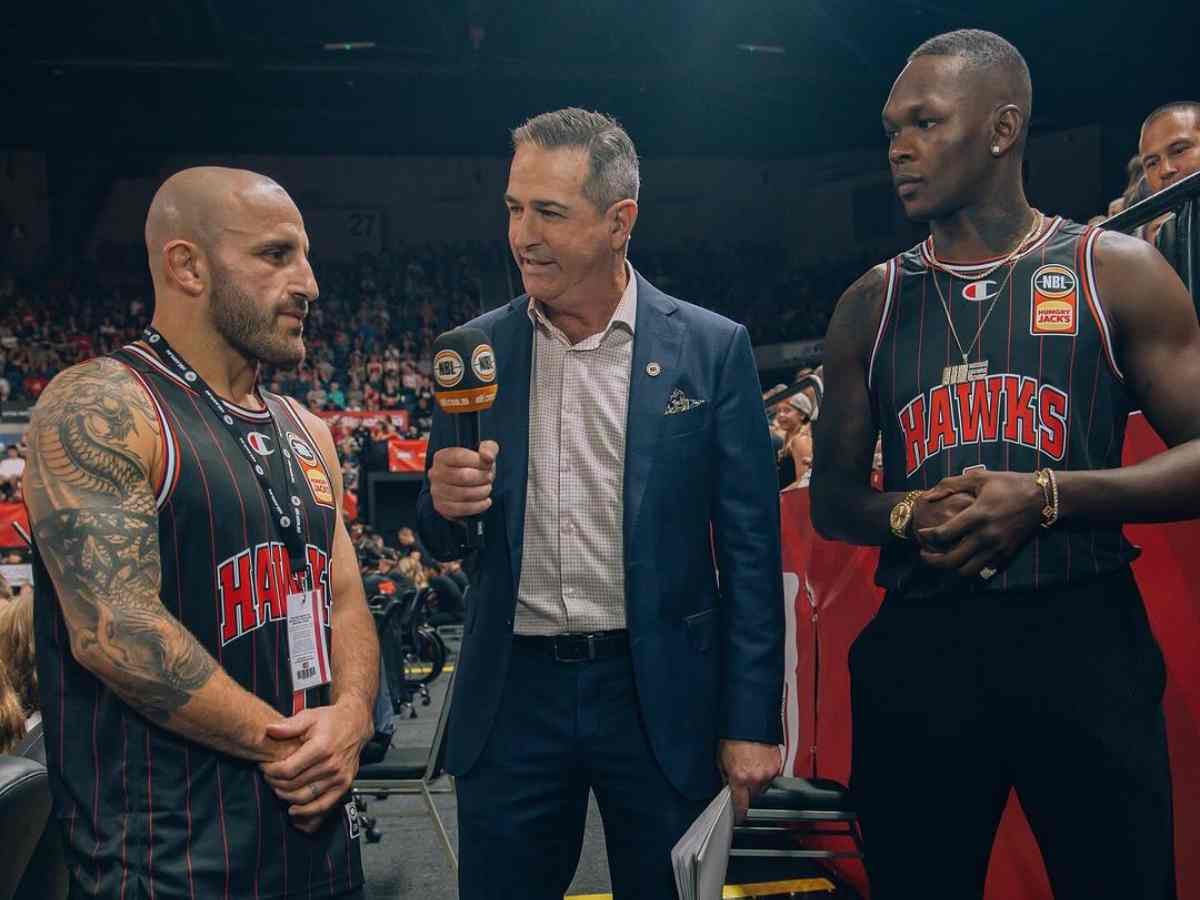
513	342
658	338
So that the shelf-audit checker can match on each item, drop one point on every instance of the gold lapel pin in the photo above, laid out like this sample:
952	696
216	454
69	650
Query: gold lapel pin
653	369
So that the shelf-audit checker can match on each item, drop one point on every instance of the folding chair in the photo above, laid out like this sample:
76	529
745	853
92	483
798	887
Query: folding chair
792	809
412	771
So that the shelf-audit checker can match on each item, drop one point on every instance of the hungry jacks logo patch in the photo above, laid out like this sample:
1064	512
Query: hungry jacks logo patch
1054	308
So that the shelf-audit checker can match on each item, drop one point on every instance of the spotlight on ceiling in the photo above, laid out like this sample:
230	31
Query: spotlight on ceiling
774	49
349	45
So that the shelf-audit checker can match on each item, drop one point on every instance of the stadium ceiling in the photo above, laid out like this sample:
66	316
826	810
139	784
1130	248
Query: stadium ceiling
757	78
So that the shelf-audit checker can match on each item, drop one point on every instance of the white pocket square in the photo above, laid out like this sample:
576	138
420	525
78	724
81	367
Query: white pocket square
680	402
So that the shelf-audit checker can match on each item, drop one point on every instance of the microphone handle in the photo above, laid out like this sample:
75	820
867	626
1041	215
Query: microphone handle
466	430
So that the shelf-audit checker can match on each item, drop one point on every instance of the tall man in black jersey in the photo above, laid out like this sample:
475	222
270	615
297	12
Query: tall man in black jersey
182	518
999	360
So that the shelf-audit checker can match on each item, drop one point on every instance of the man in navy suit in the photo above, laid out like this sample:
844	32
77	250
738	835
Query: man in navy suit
624	630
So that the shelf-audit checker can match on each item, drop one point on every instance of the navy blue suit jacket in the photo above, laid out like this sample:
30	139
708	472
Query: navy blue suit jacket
703	582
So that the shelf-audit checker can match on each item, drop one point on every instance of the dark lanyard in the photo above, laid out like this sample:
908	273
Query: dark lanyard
288	517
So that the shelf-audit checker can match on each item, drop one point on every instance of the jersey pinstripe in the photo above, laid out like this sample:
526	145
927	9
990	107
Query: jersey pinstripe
1042	388
146	814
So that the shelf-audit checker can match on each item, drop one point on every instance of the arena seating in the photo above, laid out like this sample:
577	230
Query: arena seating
411	772
790	812
400	301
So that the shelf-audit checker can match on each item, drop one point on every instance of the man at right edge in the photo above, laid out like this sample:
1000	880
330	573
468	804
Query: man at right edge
1000	359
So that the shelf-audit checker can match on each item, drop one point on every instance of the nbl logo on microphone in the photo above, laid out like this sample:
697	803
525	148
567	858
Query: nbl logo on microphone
483	364
464	370
448	368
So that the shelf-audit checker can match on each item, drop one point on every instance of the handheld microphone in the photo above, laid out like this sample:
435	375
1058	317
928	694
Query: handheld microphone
464	374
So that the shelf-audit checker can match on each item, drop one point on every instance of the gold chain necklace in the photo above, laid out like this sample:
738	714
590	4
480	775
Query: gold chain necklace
969	371
1020	248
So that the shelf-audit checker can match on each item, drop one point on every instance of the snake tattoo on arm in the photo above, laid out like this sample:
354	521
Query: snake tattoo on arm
92	508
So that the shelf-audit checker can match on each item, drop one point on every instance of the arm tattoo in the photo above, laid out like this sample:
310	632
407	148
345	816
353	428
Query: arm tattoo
94	517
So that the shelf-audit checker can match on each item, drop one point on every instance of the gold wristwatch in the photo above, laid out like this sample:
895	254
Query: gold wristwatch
902	514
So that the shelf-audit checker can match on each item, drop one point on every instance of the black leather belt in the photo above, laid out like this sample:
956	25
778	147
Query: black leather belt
576	648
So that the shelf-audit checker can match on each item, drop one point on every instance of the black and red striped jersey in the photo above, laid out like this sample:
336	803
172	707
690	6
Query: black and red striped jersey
145	813
1041	388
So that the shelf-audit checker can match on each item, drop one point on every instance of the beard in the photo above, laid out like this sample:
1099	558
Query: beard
252	331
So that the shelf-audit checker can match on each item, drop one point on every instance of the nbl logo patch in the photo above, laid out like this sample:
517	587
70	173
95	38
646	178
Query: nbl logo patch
314	473
352	819
1054	303
301	449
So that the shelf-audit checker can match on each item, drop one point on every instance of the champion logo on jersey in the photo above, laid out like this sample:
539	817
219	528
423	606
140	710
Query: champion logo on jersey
978	291
260	442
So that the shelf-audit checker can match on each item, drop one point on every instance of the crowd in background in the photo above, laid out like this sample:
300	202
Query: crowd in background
392	566
18	674
369	344
370	335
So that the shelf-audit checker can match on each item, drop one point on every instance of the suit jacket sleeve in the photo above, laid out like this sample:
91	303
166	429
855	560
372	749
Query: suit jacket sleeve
444	538
746	536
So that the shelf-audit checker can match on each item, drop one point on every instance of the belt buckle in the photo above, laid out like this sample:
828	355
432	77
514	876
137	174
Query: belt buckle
587	656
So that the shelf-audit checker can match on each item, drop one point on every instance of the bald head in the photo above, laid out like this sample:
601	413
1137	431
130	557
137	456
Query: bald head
198	205
229	255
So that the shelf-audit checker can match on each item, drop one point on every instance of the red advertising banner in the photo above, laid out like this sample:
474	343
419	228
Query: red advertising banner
406	456
830	595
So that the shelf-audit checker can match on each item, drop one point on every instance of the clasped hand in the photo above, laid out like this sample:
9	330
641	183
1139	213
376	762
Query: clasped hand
317	775
977	520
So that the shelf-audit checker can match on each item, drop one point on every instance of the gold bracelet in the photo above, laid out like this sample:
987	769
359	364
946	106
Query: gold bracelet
1054	503
1047	481
1041	477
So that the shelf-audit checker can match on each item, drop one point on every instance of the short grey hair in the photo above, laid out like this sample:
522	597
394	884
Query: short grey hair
613	173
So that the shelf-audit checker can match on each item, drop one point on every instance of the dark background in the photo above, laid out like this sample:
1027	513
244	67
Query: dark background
131	79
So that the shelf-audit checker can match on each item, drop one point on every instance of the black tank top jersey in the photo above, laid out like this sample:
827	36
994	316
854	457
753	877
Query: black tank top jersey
1052	395
147	814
